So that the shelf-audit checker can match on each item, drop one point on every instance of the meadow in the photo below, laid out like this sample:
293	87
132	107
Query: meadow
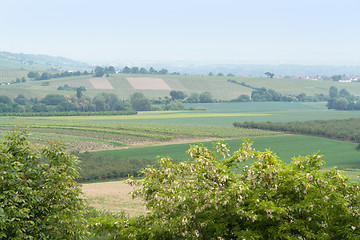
335	153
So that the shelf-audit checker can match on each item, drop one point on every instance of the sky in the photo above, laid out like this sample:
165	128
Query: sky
200	31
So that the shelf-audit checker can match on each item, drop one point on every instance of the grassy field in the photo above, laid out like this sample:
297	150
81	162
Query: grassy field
114	196
219	86
336	153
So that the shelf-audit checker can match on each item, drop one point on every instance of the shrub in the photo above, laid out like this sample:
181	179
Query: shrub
39	198
204	198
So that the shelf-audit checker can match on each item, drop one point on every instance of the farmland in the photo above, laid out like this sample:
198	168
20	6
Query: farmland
146	135
218	86
114	146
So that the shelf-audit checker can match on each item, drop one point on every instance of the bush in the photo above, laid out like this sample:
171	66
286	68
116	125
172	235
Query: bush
39	198
206	199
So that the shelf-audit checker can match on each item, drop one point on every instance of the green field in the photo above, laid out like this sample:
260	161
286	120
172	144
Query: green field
336	153
216	121
151	134
103	132
218	86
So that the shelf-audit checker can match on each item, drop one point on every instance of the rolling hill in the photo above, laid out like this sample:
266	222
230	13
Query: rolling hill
18	65
21	61
153	85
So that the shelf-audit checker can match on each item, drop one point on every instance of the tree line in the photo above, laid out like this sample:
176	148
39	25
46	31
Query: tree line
47	75
60	103
341	129
269	95
204	97
100	71
104	102
342	100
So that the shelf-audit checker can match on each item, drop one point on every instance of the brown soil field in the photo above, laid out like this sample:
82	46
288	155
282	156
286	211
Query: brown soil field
148	83
101	83
113	197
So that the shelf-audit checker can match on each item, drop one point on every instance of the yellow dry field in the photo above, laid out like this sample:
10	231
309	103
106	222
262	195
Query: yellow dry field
113	197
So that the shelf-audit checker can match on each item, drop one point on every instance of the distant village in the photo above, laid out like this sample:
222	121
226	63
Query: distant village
338	78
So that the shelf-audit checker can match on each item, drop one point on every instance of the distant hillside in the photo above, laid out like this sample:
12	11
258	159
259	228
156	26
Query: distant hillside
21	61
160	86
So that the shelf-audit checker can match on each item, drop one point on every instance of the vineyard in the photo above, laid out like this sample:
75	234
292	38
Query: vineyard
114	146
107	132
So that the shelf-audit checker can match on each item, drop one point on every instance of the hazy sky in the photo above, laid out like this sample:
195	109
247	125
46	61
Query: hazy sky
248	31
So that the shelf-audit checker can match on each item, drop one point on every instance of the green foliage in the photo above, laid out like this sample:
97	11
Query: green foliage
101	225
139	102
242	98
346	129
96	167
342	100
269	74
205	97
175	95
59	103
99	71
336	77
53	99
204	198
262	94
39	197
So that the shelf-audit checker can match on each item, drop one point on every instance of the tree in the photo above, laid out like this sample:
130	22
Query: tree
193	98
79	92
163	71
344	93
45	76
269	74
139	102
110	69
21	99
242	98
33	75
126	70
333	92
336	77
99	72
341	104
175	95
206	97
143	71
5	99
53	99
153	71
222	196
39	197
135	70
